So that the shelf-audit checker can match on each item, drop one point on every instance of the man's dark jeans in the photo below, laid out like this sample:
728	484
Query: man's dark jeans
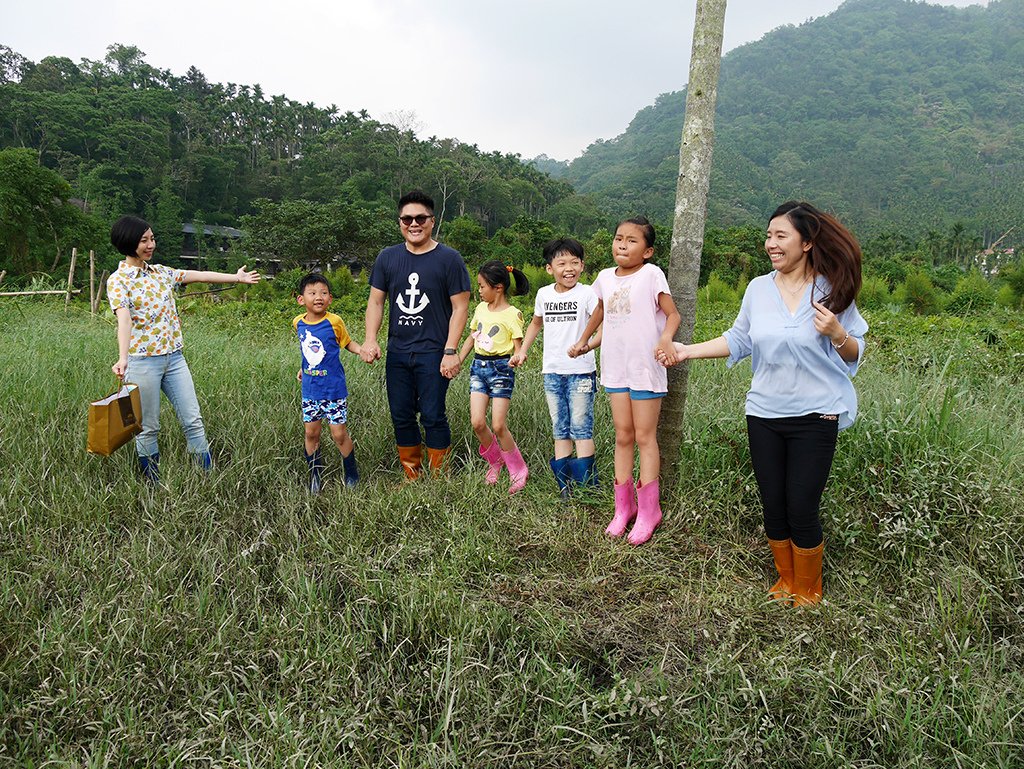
415	385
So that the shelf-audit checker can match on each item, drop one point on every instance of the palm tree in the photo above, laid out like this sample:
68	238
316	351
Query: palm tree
691	212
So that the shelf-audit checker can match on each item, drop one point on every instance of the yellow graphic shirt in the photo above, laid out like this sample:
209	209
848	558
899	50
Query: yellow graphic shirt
148	294
493	332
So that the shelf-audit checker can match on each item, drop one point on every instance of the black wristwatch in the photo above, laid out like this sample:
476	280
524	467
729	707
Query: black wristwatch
450	351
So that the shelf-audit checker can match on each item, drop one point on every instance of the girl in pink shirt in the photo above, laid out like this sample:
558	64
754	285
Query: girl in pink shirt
639	317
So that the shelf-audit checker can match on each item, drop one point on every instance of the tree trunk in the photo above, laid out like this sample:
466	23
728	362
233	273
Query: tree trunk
690	214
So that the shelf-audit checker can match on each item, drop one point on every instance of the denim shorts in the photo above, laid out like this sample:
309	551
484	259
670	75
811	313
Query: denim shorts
636	395
335	412
570	400
492	376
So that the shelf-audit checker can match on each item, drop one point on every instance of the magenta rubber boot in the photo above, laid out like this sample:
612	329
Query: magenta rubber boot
516	467
625	509
493	456
648	512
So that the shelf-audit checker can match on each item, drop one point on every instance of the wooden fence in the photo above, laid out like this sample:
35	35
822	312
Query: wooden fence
95	290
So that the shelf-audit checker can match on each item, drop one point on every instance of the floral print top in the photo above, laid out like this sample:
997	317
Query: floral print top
148	293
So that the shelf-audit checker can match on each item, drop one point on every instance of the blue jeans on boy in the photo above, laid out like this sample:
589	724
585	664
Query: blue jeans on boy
153	373
415	384
570	400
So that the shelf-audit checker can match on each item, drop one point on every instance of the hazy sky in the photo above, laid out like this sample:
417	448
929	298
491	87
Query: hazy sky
526	76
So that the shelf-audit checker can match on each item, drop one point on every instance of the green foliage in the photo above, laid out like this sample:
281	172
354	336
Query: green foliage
973	294
717	291
129	138
946	277
31	198
597	250
734	254
301	231
467	237
1007	297
919	294
874	294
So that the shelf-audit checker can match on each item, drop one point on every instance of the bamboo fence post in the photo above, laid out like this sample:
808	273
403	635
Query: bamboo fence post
92	281
99	291
71	277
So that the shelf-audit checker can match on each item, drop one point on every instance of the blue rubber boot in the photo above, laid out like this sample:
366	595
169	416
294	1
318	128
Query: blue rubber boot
150	467
351	471
315	466
204	460
583	471
560	468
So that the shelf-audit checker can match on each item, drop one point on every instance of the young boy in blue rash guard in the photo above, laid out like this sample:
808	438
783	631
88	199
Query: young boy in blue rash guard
322	335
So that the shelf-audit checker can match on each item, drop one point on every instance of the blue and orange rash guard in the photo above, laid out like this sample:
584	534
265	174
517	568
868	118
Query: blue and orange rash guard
323	376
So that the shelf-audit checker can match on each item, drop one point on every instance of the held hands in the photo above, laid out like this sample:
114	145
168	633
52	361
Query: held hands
671	354
369	352
450	365
250	276
578	349
517	360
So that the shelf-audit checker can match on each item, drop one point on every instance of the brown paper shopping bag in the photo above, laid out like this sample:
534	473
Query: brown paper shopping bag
114	420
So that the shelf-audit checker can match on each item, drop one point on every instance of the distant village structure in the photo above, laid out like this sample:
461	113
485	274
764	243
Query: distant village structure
219	239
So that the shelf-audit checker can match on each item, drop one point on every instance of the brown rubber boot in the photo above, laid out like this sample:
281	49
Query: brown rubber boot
807	574
437	459
411	458
782	550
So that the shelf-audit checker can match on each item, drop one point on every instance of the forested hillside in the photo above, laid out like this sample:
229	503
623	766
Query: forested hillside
896	114
119	135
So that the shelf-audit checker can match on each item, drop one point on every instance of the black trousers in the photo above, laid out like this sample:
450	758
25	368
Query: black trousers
792	457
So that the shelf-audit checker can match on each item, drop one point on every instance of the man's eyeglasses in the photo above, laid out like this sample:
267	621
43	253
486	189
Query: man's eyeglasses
419	219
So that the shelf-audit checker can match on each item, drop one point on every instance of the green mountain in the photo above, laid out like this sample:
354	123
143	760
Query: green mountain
894	114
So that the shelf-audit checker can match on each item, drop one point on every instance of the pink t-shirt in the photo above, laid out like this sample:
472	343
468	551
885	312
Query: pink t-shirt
633	323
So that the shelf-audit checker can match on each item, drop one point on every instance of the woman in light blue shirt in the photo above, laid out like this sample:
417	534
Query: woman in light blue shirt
805	338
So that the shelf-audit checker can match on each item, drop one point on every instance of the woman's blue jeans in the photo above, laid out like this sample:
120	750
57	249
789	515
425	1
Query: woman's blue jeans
153	373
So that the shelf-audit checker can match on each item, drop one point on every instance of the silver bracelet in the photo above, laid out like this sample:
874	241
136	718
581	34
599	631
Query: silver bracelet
845	340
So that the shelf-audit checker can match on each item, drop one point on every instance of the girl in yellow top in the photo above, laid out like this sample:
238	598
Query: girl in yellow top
496	332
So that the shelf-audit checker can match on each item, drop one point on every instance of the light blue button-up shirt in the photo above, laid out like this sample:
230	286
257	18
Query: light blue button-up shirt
796	369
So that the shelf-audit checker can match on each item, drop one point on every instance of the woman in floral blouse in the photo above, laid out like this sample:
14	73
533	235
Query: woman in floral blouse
149	338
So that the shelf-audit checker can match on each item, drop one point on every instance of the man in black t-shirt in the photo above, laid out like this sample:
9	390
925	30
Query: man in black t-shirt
427	287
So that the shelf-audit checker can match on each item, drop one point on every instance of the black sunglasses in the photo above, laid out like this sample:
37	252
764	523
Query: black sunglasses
419	219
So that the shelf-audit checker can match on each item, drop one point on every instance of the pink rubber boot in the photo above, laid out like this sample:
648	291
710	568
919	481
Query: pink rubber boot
649	512
516	467
625	509
493	456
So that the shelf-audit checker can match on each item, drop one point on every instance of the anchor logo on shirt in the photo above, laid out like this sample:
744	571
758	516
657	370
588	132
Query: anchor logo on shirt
413	307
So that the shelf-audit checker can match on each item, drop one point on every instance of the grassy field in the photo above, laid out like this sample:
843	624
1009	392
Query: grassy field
234	621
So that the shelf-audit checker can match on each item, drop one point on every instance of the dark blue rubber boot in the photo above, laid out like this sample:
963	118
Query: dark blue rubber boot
560	468
583	471
150	467
315	466
351	471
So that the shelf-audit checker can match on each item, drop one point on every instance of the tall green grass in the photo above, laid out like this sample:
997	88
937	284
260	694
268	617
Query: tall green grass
235	621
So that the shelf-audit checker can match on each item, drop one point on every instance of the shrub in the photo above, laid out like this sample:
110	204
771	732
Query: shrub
874	293
973	294
1006	297
718	291
919	294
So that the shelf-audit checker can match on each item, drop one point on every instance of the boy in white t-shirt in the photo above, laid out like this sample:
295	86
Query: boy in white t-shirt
562	310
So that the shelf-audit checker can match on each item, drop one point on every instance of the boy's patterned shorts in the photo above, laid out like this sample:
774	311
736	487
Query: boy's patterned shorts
335	412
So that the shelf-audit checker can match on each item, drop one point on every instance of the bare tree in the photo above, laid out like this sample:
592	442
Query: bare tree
690	214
